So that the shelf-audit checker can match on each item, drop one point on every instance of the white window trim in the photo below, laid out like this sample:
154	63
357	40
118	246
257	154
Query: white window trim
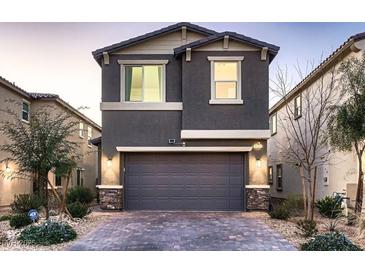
81	131
225	134
272	124
124	63
141	106
238	100
27	102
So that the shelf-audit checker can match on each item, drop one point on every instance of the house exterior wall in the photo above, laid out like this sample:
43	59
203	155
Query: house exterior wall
338	174
10	186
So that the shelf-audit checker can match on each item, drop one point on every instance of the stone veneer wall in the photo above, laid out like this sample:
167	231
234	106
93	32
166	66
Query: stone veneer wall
257	198
111	198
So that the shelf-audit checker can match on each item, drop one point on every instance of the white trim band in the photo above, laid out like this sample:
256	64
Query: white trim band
258	186
225	102
226	134
109	187
141	106
184	149
226	58
143	62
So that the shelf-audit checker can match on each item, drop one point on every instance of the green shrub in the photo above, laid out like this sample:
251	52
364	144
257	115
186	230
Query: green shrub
352	219
329	207
5	218
25	202
80	194
331	241
281	212
307	227
48	233
19	220
78	210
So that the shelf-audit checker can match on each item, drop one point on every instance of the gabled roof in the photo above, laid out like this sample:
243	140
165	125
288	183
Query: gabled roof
115	47
47	96
273	50
321	68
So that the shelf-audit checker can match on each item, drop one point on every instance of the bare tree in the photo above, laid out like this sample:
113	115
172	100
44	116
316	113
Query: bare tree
305	142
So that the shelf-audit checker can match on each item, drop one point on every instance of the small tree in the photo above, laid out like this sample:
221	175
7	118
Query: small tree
305	140
40	146
347	122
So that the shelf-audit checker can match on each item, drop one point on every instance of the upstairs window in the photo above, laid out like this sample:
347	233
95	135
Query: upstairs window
80	176
143	81
225	80
25	111
273	124
89	135
298	107
81	130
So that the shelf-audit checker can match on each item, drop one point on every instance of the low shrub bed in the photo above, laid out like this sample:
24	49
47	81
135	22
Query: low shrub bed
80	194
281	212
331	241
25	202
308	228
78	210
330	207
48	233
19	220
5	218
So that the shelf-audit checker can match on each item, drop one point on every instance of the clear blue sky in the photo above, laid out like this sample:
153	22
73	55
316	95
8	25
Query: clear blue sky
56	57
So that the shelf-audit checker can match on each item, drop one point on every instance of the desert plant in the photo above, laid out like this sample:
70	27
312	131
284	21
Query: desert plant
330	207
78	210
80	194
48	233
332	226
5	218
307	227
3	238
19	220
281	212
352	219
25	202
331	241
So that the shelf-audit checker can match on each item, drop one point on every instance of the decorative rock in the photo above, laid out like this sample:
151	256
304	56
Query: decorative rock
258	198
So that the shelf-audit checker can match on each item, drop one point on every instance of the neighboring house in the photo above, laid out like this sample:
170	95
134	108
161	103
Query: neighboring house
339	173
185	120
26	104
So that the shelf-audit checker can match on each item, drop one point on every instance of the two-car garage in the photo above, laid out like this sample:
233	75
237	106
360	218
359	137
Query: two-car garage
184	181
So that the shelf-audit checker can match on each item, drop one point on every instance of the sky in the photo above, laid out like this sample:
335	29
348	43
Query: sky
56	57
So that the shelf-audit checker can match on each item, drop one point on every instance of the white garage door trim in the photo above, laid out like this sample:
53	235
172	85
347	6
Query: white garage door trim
185	149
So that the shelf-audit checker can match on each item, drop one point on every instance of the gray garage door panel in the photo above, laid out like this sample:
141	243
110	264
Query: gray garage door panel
184	181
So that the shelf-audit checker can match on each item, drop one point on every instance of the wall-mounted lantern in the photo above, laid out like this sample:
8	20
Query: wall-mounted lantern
109	162
258	163
258	146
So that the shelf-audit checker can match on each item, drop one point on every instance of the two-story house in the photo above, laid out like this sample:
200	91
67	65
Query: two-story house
339	172
185	120
26	105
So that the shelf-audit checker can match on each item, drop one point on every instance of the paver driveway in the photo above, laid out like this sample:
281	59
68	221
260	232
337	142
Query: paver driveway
141	230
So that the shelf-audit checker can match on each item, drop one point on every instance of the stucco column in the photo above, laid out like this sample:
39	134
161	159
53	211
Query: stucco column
110	168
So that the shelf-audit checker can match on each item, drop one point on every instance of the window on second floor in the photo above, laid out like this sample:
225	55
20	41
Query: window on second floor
225	80
298	107
270	175
279	177
273	124
80	176
144	83
89	135
25	111
81	130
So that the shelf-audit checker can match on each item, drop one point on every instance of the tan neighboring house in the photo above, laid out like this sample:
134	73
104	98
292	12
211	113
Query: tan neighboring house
19	101
339	173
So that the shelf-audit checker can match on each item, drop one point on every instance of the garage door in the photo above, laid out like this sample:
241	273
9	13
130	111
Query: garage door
184	181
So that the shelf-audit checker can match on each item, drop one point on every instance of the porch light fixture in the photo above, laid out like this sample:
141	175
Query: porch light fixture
109	162
258	163
258	146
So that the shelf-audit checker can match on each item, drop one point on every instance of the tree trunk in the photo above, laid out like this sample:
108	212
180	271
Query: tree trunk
304	191
58	197
313	193
360	183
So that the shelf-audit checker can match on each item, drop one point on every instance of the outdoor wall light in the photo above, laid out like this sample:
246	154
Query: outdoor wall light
258	146
109	162
258	163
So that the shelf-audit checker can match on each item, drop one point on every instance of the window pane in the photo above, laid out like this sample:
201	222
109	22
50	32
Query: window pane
225	90
133	84
225	71
152	83
25	107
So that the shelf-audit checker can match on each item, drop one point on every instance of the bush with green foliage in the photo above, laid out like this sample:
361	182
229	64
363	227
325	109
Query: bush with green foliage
329	207
80	194
48	233
331	241
5	218
78	210
352	219
307	227
19	220
281	212
25	202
